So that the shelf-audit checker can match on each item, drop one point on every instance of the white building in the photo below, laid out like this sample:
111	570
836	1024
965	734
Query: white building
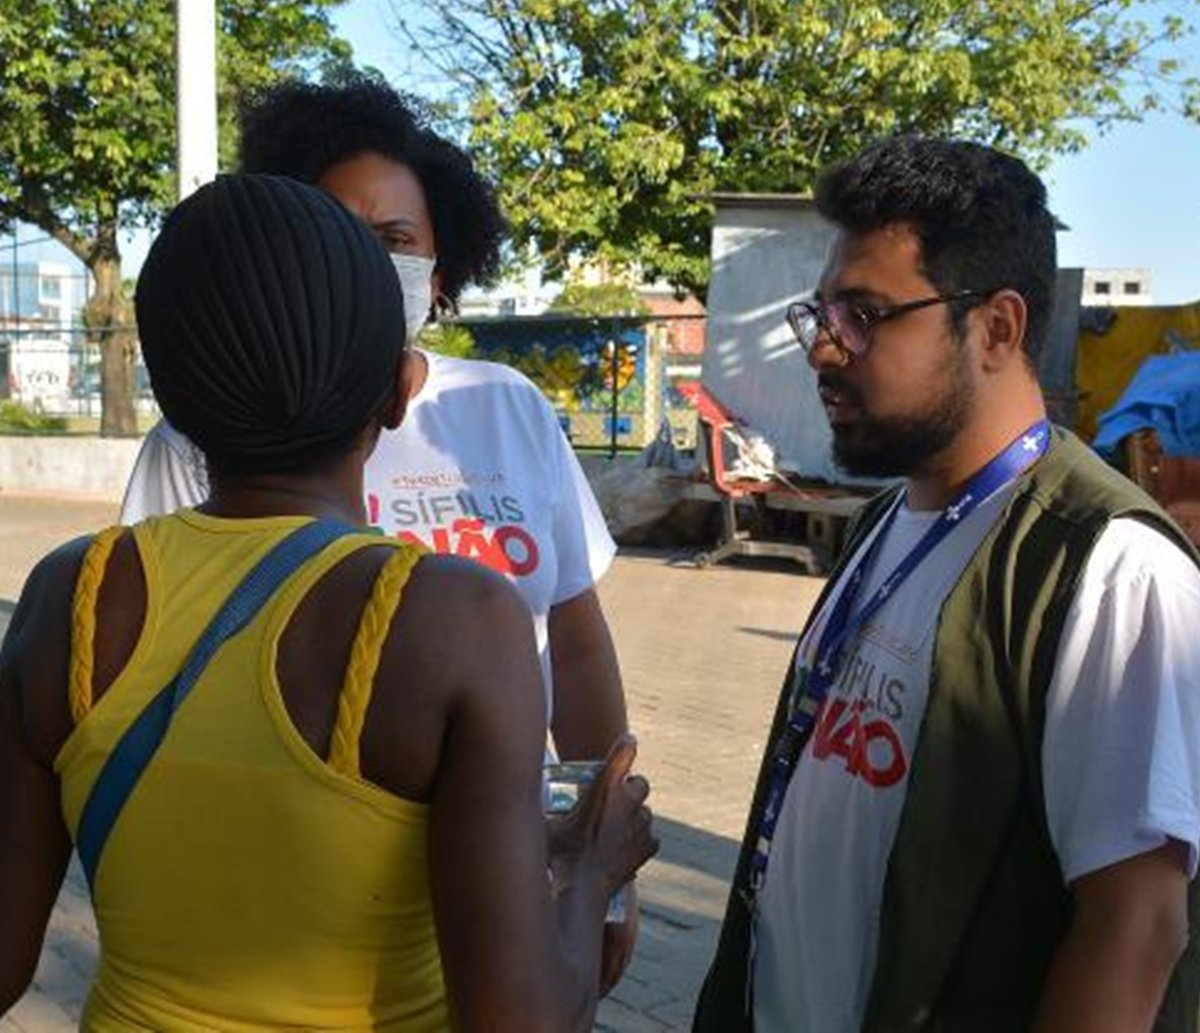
40	295
39	302
1111	287
522	293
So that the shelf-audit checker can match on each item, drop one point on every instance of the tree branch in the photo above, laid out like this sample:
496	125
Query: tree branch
32	206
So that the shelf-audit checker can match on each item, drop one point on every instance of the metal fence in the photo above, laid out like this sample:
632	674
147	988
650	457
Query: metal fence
56	372
612	381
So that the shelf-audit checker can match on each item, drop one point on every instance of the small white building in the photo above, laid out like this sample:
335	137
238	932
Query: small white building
1103	288
521	293
40	295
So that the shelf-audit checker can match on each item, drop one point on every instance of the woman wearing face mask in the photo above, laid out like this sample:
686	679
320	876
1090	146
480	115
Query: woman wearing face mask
479	468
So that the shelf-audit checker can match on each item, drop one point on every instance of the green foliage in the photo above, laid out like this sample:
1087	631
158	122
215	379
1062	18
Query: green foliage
16	418
602	299
87	121
608	122
448	339
87	100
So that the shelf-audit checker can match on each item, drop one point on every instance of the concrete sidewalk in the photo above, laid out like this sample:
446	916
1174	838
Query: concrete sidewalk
702	654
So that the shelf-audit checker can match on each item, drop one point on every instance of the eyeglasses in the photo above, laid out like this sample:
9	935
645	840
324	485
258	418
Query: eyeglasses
849	323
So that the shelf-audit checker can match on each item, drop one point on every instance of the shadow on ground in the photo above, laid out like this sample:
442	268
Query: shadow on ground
695	848
771	633
683	893
686	885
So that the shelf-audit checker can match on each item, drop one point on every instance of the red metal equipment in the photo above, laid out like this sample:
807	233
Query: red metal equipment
718	426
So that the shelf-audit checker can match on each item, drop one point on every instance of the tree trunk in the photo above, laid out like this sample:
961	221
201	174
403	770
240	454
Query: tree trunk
110	325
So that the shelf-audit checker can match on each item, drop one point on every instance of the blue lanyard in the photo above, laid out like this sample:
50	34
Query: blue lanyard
811	684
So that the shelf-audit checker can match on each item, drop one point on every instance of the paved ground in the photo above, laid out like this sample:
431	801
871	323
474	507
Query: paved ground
702	654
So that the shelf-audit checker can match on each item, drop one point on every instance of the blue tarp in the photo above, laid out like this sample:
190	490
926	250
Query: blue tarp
1164	395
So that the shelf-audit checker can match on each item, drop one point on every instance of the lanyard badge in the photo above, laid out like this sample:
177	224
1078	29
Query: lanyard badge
814	674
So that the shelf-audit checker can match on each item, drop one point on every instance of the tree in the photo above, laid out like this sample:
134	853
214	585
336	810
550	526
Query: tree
448	339
600	299
608	122
87	130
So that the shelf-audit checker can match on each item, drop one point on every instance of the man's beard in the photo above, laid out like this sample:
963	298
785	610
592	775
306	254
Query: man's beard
901	446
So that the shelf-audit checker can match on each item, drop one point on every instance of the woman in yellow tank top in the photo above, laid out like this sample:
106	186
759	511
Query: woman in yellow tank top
339	824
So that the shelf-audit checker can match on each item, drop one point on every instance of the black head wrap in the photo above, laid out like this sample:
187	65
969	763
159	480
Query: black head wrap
268	319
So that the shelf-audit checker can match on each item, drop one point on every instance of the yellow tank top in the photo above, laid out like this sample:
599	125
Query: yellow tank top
248	883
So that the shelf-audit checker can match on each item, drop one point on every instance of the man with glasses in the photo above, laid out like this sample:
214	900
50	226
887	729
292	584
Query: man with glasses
979	806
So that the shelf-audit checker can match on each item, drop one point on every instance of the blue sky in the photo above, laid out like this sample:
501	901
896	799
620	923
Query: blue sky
1132	198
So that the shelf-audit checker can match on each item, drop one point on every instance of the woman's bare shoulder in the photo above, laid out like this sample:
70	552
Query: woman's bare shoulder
458	618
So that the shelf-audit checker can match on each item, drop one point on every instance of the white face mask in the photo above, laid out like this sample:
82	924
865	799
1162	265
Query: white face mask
416	280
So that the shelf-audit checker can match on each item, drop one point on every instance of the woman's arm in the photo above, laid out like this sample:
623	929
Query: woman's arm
34	844
589	702
514	958
589	716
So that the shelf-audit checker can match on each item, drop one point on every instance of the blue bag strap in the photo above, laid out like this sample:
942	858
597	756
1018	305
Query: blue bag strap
133	752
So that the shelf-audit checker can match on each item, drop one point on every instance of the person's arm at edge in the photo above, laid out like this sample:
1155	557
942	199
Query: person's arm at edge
1127	931
1125	644
34	843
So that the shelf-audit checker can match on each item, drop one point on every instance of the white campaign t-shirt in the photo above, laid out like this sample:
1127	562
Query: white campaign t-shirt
479	468
1121	753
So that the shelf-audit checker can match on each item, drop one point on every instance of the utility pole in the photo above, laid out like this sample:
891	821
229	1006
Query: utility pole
196	92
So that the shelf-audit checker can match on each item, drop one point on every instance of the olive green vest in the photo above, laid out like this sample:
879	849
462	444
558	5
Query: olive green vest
974	904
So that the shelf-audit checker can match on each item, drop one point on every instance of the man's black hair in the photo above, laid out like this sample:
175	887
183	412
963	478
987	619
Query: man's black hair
302	130
980	215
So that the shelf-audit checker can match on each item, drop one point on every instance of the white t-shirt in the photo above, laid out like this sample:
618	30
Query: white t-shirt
480	468
1121	754
169	474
